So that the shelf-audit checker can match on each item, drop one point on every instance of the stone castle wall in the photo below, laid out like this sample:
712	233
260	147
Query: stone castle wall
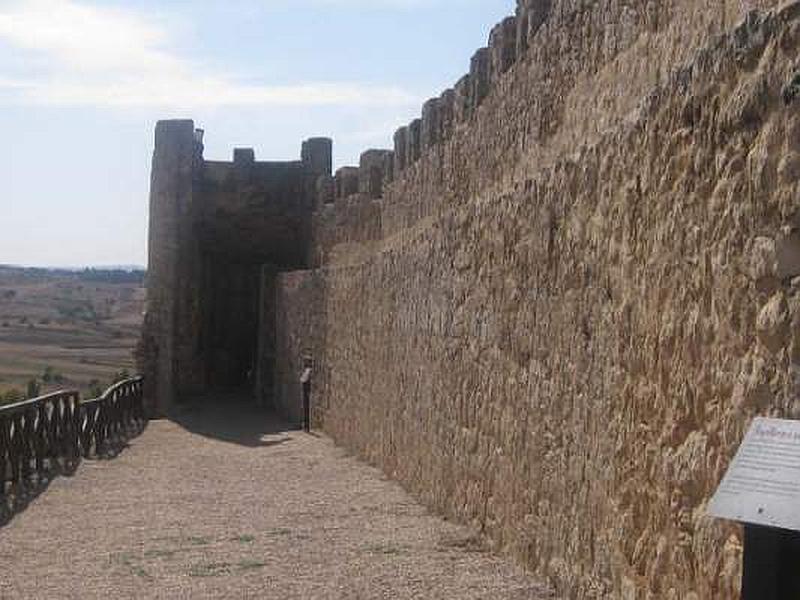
576	290
299	330
582	70
552	309
215	228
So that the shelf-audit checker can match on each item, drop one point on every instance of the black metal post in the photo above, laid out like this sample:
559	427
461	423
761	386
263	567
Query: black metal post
771	564
307	405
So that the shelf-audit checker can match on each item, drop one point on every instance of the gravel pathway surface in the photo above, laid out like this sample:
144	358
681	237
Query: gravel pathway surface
230	504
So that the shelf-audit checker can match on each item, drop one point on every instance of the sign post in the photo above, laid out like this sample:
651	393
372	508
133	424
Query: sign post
762	490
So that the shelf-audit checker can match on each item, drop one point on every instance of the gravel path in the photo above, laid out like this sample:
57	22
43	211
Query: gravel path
219	507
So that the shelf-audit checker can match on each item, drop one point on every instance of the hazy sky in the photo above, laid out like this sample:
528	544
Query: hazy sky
83	82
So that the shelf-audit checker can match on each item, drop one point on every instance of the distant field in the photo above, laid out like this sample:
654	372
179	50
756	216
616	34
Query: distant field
67	330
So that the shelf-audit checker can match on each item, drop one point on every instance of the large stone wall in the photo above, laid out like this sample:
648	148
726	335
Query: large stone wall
299	331
170	287
578	301
552	309
581	71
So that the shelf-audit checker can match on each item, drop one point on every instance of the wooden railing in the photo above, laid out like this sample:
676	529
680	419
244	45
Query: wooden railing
107	422
45	436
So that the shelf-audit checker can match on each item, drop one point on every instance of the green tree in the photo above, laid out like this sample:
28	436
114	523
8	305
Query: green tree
95	389
34	388
121	376
50	375
11	396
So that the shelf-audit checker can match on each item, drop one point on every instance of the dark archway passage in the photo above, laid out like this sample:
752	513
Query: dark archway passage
230	318
252	222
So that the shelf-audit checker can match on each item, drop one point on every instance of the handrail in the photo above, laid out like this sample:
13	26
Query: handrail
23	404
49	434
116	387
115	416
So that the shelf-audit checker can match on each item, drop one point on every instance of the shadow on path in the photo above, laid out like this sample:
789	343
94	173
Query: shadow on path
19	497
16	497
233	418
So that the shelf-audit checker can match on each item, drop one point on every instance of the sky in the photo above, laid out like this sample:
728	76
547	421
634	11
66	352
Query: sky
83	82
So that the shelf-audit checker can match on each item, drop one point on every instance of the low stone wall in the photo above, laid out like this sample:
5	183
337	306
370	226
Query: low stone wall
568	360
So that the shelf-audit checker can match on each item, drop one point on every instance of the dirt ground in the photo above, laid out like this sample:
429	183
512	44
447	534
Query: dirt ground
230	504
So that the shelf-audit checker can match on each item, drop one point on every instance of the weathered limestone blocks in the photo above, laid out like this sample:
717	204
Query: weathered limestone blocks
375	168
774	260
447	103
567	350
414	142
325	190
431	126
317	155
580	43
170	188
244	156
462	100
503	46
479	78
400	150
604	290
346	181
773	323
439	115
298	302
243	162
787	251
168	340
531	15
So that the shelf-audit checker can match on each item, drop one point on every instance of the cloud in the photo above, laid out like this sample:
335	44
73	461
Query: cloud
79	54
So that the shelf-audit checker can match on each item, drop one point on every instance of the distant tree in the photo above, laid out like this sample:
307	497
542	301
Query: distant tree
34	388
95	389
121	376
11	396
113	276
9	294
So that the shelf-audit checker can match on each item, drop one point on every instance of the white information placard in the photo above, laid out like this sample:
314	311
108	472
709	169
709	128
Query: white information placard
762	485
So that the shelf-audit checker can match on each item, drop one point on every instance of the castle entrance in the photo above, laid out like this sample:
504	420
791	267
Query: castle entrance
214	225
230	315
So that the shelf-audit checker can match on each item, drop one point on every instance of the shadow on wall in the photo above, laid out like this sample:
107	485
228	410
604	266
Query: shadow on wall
232	418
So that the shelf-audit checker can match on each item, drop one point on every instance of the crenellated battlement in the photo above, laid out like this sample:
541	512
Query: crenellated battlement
508	41
440	116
